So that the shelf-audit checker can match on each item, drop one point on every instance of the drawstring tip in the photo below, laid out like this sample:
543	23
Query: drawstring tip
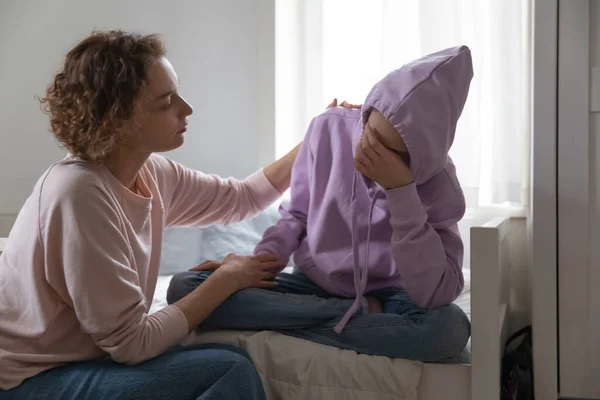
342	324
340	327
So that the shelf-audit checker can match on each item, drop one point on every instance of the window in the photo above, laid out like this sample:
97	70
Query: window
340	48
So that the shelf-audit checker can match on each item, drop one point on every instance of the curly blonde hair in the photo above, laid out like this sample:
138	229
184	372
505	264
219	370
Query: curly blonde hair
94	93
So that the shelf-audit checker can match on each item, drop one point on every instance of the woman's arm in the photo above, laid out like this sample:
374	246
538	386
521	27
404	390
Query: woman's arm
200	303
192	198
279	173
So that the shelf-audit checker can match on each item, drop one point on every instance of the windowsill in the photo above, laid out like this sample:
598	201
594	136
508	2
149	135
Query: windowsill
500	210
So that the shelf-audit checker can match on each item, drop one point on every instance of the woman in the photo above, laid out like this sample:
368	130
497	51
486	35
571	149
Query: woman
79	269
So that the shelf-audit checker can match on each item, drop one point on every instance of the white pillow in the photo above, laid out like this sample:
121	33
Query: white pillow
186	247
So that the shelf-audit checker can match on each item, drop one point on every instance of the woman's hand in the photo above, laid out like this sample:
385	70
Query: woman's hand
381	164
208	265
247	271
234	273
344	104
279	173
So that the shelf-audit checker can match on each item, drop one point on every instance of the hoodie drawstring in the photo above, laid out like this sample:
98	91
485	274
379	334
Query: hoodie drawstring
360	274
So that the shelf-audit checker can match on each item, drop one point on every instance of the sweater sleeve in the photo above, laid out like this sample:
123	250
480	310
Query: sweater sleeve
88	264
283	238
193	198
426	245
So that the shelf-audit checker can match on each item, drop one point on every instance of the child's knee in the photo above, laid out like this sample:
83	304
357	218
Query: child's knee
454	327
183	284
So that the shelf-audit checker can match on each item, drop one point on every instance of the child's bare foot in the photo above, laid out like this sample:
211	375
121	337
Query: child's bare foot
375	306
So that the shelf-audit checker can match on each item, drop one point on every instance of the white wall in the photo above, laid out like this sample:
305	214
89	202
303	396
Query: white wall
223	52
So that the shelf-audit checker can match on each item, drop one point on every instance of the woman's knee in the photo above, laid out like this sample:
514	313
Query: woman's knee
230	358
214	370
233	367
241	364
184	283
220	347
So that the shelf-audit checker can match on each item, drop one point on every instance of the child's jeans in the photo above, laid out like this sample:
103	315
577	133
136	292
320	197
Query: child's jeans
298	307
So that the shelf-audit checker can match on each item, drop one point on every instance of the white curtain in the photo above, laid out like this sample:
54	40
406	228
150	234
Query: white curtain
340	48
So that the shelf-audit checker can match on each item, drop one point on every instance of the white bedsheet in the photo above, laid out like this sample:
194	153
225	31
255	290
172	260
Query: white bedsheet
293	368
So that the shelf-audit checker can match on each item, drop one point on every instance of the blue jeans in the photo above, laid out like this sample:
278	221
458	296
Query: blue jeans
298	307
208	372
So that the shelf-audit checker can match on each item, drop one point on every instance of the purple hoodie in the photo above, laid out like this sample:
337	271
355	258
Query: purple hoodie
348	234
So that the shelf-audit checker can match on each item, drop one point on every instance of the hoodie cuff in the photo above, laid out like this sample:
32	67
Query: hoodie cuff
404	202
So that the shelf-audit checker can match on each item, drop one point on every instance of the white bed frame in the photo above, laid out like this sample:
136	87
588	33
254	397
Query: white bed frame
490	289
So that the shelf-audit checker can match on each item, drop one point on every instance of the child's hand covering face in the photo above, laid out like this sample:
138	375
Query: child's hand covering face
382	154
381	164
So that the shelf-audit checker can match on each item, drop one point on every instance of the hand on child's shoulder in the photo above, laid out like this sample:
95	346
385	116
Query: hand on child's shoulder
344	104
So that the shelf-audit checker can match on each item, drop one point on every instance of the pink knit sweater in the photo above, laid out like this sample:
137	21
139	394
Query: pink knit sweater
79	269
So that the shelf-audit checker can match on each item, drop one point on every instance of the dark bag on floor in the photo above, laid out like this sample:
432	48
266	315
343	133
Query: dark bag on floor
517	366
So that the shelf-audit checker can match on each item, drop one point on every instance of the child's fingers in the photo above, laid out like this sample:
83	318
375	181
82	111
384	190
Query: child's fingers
366	155
374	143
369	149
362	161
360	167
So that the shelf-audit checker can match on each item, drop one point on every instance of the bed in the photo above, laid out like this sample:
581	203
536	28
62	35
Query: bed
293	368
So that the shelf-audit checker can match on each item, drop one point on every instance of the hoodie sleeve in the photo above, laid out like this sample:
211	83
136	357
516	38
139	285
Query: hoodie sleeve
426	245
283	238
193	198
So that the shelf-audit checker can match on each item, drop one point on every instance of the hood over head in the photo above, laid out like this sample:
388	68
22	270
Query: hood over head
423	100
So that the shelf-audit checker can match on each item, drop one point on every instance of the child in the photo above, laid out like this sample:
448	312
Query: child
374	208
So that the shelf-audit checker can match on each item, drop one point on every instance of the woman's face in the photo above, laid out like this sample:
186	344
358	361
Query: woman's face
160	117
